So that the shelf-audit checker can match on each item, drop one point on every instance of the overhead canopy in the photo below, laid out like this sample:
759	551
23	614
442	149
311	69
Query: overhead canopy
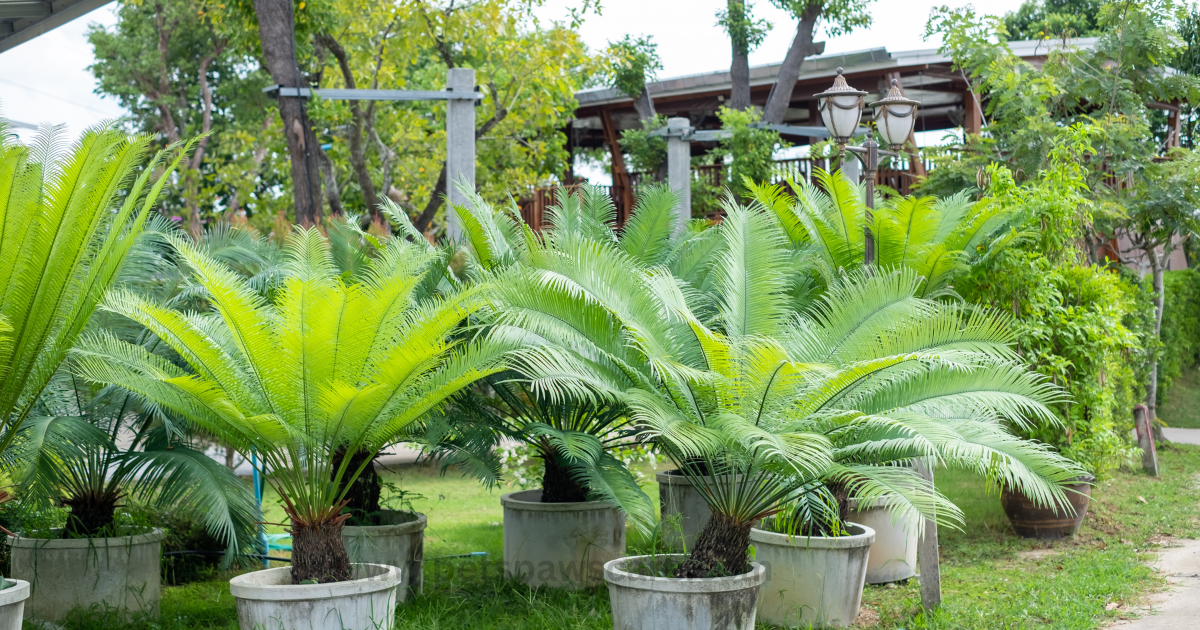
23	20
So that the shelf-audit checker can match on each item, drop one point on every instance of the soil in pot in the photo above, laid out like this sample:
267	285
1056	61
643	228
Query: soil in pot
812	581
644	597
1031	521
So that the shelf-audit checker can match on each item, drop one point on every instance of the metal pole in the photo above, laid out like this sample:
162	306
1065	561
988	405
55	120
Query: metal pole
871	162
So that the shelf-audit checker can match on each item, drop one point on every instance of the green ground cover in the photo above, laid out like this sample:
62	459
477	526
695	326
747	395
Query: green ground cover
1181	408
990	578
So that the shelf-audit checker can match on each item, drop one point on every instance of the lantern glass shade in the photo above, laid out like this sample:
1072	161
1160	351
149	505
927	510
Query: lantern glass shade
895	122
842	115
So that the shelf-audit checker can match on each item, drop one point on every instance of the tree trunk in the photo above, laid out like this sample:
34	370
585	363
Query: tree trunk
318	553
739	74
279	51
91	515
1156	270
354	131
558	486
332	194
364	492
802	47
720	549
644	105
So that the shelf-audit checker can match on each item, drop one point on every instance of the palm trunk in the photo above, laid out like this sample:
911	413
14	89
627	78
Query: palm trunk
91	515
363	494
721	549
318	553
558	486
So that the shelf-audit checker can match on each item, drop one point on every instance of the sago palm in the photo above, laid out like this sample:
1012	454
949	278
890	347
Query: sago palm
325	366
758	402
67	221
936	238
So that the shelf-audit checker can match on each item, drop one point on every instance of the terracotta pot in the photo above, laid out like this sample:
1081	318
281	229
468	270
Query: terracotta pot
1030	521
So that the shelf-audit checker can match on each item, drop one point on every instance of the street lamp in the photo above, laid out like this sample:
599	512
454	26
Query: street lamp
895	116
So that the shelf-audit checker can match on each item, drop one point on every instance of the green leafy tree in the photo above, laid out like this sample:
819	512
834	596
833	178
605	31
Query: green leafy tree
323	366
748	149
745	34
634	61
1054	19
67	222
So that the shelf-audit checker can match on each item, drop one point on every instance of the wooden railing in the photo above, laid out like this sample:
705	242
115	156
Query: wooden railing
897	176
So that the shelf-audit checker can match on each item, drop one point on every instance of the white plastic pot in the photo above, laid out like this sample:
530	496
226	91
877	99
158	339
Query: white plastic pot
894	552
642	602
122	572
12	604
267	600
562	545
396	542
812	581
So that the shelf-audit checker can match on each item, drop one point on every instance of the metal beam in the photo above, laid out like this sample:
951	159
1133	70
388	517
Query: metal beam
375	95
25	9
16	124
61	12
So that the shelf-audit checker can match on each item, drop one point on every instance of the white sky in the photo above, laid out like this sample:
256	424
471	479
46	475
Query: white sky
47	81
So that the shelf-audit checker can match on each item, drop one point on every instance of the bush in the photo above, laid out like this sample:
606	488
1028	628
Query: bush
1180	327
185	532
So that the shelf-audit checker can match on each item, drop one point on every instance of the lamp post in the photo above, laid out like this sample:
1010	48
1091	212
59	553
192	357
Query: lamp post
841	108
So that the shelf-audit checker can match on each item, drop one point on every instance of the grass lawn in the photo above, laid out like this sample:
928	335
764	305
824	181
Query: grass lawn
1181	408
990	578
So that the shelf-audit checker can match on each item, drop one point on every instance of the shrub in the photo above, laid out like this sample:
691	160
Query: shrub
1180	327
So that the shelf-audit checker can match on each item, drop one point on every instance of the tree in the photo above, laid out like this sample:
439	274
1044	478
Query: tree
179	75
277	35
634	62
1054	19
840	16
67	223
745	34
322	367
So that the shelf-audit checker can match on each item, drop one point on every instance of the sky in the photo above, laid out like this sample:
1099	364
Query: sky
47	79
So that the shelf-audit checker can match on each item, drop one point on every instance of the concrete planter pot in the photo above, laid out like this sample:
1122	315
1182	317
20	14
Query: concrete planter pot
267	600
642	602
894	552
12	605
812	581
678	498
561	545
399	541
122	572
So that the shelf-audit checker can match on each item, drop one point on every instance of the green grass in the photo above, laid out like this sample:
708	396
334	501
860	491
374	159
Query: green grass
990	578
1181	407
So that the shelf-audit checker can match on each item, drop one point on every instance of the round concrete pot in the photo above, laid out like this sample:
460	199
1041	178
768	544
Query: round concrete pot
1032	521
12	605
122	572
894	552
812	580
642	602
267	600
398	541
561	545
682	510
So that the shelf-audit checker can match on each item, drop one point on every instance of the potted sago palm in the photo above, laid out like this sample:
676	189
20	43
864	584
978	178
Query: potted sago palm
757	401
563	533
322	366
70	221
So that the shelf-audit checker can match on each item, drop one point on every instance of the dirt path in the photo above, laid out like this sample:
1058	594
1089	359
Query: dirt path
1179	607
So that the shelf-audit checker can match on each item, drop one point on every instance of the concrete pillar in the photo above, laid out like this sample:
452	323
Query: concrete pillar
460	143
679	168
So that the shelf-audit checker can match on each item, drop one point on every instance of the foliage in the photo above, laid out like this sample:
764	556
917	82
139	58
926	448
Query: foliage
1180	328
634	61
745	32
646	153
839	17
68	219
1054	19
750	150
323	366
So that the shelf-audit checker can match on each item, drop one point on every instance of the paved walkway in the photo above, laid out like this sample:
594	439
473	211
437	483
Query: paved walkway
1179	607
1182	436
